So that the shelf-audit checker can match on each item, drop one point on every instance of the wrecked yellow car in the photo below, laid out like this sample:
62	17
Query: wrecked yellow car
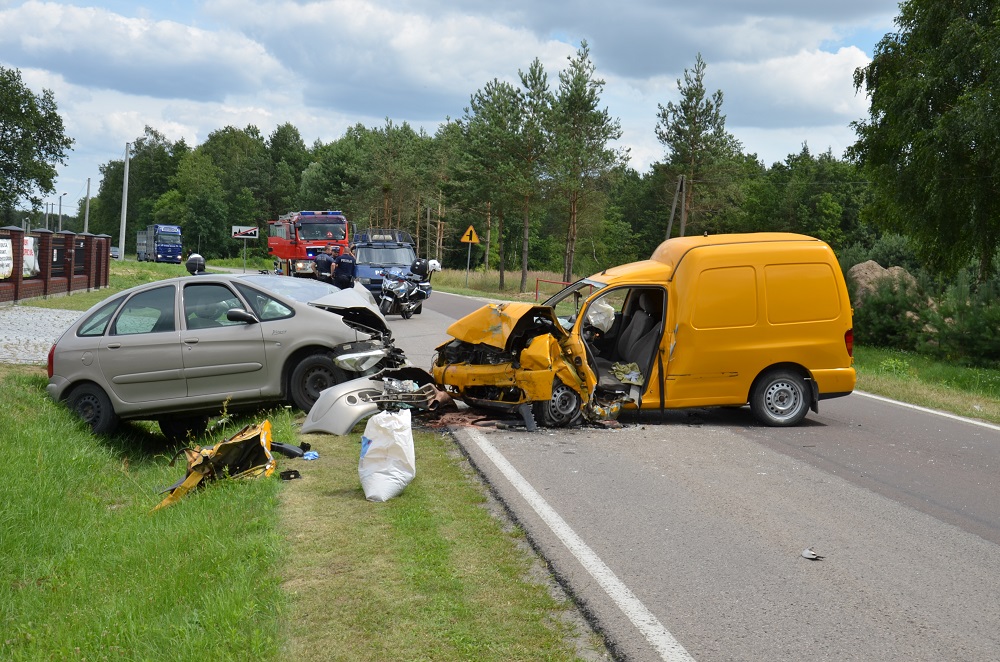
762	319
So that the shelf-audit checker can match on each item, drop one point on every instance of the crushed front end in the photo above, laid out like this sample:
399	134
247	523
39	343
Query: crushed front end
515	356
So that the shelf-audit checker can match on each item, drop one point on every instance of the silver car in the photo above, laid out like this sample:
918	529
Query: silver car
181	350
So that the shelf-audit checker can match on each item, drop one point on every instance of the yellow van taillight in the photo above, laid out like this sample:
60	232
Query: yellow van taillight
849	341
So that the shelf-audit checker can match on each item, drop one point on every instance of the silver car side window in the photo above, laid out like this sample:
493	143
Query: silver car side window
97	323
264	306
206	305
151	311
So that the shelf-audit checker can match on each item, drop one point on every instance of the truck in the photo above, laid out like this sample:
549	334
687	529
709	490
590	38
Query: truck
377	249
159	243
296	238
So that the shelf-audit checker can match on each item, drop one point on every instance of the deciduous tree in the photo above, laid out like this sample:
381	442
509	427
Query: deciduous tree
931	143
32	142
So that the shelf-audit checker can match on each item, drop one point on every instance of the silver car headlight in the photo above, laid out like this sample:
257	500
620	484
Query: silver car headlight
360	361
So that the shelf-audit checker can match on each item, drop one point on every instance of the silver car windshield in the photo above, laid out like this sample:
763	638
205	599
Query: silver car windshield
299	289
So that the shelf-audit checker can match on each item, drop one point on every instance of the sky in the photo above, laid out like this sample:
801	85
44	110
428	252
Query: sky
187	68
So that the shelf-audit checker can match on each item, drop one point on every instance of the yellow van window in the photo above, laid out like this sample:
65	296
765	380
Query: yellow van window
725	298
801	293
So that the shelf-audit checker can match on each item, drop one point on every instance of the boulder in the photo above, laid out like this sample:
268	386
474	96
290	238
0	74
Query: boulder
867	274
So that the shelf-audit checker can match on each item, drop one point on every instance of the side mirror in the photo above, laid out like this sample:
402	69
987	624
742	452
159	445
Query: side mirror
240	315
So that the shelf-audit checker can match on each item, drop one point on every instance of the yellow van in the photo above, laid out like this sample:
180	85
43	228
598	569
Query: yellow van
722	320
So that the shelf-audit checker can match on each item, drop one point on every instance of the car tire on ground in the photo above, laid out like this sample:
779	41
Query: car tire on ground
562	410
92	404
779	398
313	374
181	428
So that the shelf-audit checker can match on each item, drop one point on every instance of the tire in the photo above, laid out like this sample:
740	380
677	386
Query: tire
385	306
313	375
779	399
407	314
92	404
182	428
562	410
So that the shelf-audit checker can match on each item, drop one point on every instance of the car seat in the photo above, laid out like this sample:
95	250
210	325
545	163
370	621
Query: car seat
638	339
206	316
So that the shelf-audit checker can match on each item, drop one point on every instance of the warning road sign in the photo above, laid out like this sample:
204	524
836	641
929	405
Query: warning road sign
470	236
244	232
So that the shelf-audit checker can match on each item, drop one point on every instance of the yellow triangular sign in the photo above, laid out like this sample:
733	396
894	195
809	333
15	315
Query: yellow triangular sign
470	236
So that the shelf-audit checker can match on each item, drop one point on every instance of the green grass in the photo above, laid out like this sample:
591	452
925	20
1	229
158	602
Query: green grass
428	575
90	573
480	283
920	380
251	570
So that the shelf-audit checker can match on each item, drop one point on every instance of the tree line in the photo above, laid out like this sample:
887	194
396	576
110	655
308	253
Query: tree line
533	169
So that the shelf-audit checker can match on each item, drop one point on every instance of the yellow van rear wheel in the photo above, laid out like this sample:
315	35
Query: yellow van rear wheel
779	398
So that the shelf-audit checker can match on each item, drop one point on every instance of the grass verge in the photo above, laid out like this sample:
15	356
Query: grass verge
428	575
90	573
262	570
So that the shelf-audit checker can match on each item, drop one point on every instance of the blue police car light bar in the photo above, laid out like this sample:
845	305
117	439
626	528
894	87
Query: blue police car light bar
321	213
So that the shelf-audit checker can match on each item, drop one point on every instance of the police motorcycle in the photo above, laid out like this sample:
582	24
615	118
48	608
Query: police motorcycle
404	292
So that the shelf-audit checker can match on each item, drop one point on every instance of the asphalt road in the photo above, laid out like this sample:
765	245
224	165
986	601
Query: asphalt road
681	535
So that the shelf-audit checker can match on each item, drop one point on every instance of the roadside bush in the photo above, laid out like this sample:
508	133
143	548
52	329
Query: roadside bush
890	316
965	324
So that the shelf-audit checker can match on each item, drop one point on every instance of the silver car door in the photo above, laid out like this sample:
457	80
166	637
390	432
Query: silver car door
140	355
221	357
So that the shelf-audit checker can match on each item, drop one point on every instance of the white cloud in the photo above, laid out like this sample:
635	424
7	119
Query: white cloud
785	66
96	48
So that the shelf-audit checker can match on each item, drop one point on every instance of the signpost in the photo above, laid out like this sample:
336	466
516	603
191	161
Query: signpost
469	237
244	232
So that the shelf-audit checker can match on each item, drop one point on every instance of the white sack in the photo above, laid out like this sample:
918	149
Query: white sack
387	462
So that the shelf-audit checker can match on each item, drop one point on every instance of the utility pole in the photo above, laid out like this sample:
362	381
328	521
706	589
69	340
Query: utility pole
673	207
121	232
86	213
60	211
47	215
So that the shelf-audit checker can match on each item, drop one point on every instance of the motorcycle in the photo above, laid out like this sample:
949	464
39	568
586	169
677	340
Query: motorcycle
404	292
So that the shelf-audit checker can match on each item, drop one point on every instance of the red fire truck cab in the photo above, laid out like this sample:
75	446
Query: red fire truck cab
296	238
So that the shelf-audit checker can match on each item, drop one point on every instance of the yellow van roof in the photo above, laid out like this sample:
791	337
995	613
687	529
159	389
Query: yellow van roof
671	251
660	267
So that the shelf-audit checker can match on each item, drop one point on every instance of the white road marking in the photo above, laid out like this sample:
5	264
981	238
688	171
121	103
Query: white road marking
658	637
944	414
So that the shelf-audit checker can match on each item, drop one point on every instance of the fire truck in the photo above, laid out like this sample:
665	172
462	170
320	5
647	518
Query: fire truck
296	238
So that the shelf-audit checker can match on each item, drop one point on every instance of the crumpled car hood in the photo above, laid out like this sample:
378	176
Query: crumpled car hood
354	306
495	324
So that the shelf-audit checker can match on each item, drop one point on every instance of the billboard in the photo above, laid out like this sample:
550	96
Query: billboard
29	255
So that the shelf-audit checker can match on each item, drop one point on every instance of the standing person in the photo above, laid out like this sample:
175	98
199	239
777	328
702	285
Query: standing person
324	264
344	266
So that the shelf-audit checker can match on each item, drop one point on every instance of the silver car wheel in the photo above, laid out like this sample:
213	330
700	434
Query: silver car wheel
313	375
91	403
